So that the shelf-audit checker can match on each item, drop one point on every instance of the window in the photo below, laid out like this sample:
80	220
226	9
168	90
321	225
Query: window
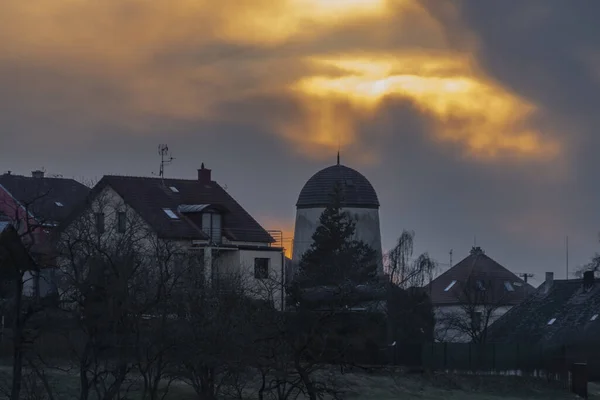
59	204
99	222
211	225
594	317
261	268
121	222
174	189
450	286
170	213
551	321
480	285
508	286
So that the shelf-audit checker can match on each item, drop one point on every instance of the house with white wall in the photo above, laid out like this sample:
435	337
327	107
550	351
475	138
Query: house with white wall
197	215
471	295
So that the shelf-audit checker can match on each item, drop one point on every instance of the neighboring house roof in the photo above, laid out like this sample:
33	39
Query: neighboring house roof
478	266
559	312
357	190
150	196
49	200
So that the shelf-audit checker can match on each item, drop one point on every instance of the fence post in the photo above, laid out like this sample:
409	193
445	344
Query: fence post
470	362
445	355
493	357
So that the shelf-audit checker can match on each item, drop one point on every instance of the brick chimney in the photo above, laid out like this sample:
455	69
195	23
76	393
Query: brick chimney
588	279
204	174
37	174
549	279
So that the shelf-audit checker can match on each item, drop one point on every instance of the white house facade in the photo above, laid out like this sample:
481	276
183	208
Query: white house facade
198	219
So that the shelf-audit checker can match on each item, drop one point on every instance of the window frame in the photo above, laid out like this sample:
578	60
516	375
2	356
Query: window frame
261	271
100	222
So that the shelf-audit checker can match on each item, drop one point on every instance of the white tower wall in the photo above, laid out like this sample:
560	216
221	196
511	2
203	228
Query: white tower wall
367	229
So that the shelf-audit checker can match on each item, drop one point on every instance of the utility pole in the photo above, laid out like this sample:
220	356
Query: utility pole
450	258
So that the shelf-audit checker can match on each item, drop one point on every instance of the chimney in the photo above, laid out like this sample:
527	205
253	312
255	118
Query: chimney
476	250
204	174
37	174
588	279
549	279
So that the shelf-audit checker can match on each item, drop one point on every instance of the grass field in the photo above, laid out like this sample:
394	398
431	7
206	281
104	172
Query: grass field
381	386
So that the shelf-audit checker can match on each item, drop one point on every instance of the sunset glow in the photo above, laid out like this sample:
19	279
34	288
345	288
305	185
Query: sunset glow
467	108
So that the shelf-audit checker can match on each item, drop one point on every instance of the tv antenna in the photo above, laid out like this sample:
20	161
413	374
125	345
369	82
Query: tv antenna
525	276
165	159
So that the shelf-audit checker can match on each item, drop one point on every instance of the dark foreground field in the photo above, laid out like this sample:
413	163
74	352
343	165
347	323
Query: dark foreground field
374	386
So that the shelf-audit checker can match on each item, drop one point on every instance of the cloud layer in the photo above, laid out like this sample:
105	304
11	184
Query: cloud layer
469	117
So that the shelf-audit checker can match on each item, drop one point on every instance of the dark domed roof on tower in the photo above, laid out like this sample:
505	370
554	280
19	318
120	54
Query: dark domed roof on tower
358	191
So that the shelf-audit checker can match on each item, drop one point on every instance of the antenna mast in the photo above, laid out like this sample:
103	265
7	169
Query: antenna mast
165	159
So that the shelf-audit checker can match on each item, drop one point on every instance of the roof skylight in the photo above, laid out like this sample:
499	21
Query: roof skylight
170	213
594	317
174	189
59	204
450	286
551	321
508	286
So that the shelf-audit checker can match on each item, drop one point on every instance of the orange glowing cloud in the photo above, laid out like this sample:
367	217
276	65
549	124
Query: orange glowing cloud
467	107
185	59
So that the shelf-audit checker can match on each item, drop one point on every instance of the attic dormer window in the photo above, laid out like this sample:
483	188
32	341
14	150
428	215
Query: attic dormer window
59	204
450	286
170	213
211	225
508	286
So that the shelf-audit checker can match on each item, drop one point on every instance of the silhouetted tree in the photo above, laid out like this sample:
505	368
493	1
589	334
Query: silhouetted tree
336	257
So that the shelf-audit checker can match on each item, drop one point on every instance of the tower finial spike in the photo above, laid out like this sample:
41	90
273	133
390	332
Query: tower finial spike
338	158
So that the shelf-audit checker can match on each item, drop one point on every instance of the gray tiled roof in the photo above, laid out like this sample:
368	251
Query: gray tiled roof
358	191
149	196
478	266
566	301
41	195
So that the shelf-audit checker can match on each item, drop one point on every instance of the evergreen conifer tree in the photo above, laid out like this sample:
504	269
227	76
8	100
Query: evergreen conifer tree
336	257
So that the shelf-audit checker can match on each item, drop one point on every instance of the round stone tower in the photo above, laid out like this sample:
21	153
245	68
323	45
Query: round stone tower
359	200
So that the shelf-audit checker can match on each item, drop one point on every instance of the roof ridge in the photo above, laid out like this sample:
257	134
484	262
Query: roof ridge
152	178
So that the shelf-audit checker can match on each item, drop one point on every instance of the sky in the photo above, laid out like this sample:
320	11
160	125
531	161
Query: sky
473	119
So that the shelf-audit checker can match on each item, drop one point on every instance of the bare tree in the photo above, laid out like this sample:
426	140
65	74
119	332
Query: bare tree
106	261
20	306
402	269
478	302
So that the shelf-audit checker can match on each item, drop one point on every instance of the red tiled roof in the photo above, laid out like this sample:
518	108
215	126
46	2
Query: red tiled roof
149	196
478	266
